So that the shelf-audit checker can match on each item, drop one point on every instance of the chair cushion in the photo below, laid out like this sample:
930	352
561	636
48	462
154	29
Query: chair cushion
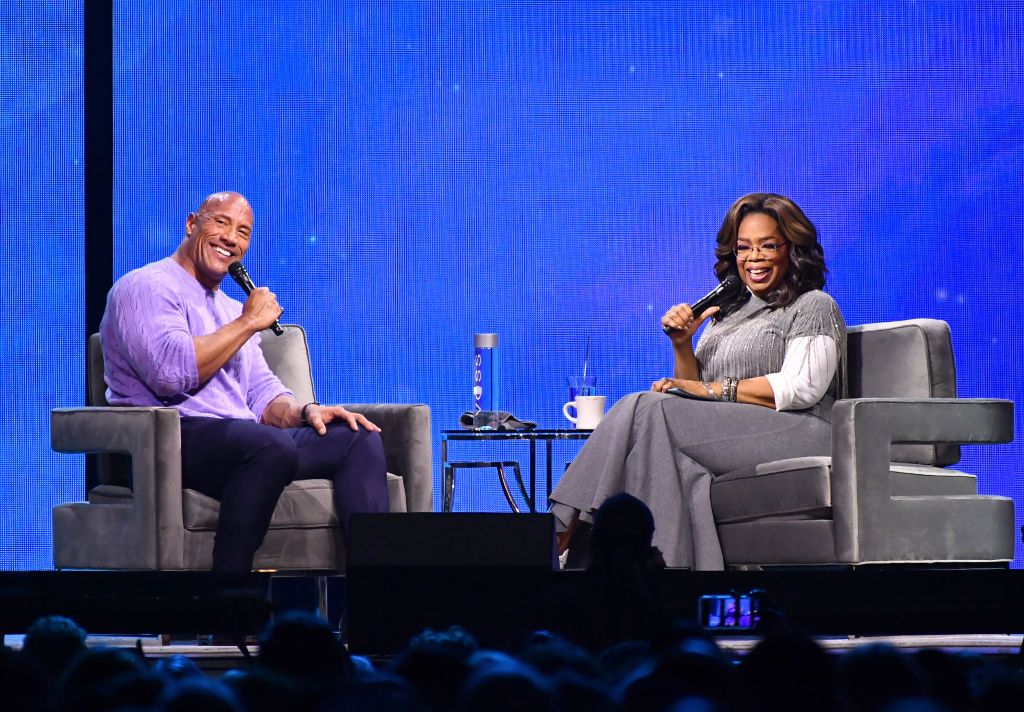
287	356
799	488
911	480
304	504
905	359
110	494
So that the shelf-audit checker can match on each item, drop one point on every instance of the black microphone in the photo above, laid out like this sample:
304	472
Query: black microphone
726	289
242	278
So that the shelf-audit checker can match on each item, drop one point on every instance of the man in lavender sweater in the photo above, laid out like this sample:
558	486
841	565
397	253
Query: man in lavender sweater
171	337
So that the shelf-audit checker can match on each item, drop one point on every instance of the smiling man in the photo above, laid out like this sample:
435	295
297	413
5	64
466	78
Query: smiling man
171	337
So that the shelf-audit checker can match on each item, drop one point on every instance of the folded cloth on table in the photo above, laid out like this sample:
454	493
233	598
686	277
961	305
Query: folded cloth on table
506	421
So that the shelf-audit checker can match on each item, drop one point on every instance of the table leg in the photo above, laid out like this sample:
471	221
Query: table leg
514	464
448	493
533	475
447	480
547	492
504	485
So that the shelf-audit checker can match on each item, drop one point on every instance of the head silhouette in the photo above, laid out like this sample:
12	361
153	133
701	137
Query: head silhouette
300	645
54	641
622	533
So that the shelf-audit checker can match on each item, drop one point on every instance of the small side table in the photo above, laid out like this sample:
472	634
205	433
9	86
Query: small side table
452	469
548	436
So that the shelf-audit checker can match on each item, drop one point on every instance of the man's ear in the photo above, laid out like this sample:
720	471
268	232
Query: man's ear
190	223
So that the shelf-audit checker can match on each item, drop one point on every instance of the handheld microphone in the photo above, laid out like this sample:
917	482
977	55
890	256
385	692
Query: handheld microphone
242	278
726	289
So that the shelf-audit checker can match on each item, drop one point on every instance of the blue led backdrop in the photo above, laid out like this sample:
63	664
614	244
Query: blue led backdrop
41	221
421	171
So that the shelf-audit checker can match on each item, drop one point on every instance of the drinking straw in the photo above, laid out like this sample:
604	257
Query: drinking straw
586	358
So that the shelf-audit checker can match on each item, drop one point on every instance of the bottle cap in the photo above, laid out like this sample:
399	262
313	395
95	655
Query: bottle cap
485	341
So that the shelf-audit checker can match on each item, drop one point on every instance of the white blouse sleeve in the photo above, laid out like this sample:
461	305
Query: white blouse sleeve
807	371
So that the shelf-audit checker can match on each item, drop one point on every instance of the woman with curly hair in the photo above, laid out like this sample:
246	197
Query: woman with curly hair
761	383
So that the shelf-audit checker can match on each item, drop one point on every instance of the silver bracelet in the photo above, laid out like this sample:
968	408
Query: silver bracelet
729	386
710	390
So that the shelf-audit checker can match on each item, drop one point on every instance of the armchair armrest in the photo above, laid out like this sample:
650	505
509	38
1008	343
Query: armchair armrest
152	437
109	428
863	430
405	431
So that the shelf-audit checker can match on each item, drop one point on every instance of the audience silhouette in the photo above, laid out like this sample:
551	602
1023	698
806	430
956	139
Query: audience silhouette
787	672
301	666
617	597
610	647
437	665
53	642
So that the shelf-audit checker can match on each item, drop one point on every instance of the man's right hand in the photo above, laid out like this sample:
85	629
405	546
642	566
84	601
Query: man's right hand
261	309
213	350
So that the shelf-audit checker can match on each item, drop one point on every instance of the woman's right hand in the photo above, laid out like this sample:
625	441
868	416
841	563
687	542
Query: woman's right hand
680	324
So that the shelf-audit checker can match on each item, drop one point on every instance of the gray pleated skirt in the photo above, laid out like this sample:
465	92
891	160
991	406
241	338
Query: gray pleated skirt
666	450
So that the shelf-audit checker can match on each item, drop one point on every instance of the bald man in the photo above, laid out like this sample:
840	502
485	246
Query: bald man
171	337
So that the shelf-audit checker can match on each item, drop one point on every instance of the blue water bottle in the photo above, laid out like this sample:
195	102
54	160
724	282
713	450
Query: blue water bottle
485	381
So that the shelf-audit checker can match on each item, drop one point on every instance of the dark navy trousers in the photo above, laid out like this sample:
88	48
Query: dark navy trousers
246	465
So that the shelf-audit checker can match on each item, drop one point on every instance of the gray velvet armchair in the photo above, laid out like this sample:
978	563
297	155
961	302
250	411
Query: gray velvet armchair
867	504
139	517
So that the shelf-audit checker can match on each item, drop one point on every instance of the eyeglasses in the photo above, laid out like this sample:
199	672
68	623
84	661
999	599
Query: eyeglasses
767	249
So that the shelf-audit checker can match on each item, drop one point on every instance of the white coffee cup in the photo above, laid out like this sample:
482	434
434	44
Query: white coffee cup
589	411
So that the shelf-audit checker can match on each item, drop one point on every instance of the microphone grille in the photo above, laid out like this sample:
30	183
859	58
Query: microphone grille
241	277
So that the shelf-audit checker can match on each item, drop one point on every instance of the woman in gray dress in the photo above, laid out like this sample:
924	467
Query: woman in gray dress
765	373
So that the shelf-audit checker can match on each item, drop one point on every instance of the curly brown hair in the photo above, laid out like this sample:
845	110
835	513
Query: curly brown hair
806	257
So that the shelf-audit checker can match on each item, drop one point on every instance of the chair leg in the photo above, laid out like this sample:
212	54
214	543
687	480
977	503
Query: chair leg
448	494
321	597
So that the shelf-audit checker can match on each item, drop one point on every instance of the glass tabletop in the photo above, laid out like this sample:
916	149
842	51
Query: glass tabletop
534	434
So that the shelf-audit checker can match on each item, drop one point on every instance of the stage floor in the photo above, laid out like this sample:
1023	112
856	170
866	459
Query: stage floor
381	608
